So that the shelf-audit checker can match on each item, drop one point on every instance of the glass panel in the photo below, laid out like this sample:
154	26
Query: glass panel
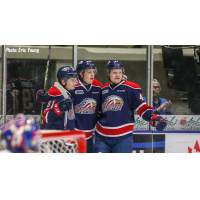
1	81
26	68
133	59
176	68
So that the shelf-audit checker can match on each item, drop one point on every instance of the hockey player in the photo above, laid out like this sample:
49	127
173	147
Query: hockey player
114	131
87	100
59	111
20	135
86	96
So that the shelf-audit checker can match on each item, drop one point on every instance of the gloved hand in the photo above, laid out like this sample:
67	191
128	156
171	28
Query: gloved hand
124	77
41	96
158	122
65	105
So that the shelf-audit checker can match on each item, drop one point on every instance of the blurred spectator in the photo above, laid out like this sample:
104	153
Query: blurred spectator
20	91
160	105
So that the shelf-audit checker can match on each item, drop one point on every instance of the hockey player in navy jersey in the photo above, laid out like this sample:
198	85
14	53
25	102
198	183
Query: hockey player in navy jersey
114	131
59	111
87	100
86	96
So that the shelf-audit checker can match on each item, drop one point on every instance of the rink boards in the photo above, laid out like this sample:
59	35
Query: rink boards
166	142
182	134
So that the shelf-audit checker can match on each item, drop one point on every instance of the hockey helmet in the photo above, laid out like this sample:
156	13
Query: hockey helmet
66	72
21	134
86	64
114	64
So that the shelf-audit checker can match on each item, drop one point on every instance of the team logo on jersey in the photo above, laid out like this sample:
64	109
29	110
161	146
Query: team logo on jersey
87	106
112	103
71	114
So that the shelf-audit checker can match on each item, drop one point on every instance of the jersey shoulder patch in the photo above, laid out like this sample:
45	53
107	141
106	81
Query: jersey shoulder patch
96	83
131	84
54	91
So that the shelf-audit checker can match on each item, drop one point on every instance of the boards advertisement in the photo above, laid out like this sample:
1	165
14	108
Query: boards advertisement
174	123
183	135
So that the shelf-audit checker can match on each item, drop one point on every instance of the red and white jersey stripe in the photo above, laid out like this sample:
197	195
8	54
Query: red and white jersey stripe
115	131
117	108
142	108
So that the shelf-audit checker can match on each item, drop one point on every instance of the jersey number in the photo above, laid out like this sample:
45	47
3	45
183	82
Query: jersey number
51	103
141	97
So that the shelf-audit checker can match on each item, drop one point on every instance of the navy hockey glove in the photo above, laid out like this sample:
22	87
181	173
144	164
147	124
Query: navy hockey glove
158	122
41	96
124	77
65	105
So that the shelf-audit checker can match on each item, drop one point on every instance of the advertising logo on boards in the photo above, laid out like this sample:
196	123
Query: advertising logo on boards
196	148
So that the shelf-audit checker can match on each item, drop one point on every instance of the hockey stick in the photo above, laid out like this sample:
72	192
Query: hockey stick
45	83
66	96
62	90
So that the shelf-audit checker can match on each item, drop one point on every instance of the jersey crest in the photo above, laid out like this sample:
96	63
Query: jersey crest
87	106
112	103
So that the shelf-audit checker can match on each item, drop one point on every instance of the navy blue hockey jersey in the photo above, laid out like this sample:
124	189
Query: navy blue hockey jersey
86	106
118	105
53	118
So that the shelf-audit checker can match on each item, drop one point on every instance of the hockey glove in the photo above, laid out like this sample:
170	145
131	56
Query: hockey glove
41	96
65	105
158	122
124	77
